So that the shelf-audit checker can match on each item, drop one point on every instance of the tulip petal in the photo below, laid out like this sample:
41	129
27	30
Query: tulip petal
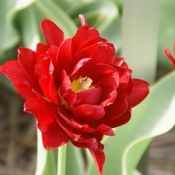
41	48
48	87
99	158
52	52
80	65
65	90
109	85
84	128
64	58
118	61
100	52
115	122
83	36
104	53
53	34
89	96
139	91
86	143
76	138
89	112
107	78
117	109
12	70
44	67
27	60
52	134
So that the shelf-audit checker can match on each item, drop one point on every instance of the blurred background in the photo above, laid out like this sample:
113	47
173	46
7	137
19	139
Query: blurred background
19	27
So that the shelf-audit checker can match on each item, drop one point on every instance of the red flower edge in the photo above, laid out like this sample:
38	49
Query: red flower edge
76	88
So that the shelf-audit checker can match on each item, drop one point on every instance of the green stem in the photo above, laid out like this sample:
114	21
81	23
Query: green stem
61	169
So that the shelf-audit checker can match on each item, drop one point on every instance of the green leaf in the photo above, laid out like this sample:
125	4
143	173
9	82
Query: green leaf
28	27
99	13
8	34
70	161
74	164
50	9
167	30
113	32
140	36
51	163
46	160
62	159
153	117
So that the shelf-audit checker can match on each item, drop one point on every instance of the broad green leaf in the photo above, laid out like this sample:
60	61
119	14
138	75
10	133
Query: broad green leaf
50	9
153	117
28	28
17	6
167	30
8	9
99	13
140	36
74	165
46	160
113	33
51	163
62	159
9	36
70	161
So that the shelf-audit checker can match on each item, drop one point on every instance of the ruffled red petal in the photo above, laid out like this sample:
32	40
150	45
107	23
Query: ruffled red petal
99	158
100	52
121	120
27	60
89	96
41	48
53	34
83	128
48	87
45	113
65	90
76	138
44	67
12	70
89	112
64	59
83	35
139	91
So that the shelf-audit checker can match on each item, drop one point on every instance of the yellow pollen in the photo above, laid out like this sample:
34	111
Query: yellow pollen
81	84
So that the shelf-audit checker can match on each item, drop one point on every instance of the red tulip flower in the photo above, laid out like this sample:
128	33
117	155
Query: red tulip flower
76	88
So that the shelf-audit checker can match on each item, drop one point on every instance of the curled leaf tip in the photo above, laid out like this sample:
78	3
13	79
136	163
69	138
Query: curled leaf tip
83	20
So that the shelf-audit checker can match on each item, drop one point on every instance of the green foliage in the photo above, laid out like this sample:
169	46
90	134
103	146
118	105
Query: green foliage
167	30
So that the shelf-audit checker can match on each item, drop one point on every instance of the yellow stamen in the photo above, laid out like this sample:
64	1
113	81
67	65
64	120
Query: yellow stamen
81	84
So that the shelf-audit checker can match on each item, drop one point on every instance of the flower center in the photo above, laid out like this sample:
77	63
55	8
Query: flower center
81	84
